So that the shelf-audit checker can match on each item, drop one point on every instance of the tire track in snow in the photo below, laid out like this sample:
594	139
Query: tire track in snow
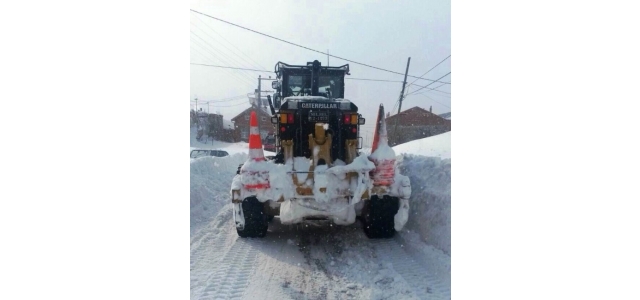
208	249
231	276
425	285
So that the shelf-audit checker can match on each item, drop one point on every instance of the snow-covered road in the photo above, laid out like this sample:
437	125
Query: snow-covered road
318	260
312	261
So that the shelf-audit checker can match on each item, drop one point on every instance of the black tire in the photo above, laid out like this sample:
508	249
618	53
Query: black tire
270	218
377	216
255	218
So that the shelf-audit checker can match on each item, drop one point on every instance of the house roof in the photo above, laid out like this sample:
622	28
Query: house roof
413	112
258	110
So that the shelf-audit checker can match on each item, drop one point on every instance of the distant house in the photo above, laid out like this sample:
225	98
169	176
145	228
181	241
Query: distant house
241	122
214	126
202	123
446	115
415	123
228	131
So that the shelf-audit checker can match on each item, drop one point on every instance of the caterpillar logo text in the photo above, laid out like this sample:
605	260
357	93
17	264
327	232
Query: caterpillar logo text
319	105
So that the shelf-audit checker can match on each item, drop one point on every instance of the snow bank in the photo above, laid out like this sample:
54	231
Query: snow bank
430	213
435	146
209	176
231	148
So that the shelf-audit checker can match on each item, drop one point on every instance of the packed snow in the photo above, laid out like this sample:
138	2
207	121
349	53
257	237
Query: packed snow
277	183
322	260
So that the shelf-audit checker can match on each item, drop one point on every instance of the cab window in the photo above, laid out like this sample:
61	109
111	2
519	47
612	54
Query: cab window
330	84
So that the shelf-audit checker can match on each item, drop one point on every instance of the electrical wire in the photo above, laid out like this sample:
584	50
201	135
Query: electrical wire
445	75
223	100
220	57
431	89
331	55
244	103
222	53
346	78
249	57
231	67
240	79
374	79
425	73
434	100
223	57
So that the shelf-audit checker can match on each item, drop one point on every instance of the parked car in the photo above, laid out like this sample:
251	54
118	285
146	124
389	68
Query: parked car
203	152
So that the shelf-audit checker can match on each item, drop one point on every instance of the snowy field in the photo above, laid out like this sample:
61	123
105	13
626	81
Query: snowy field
319	260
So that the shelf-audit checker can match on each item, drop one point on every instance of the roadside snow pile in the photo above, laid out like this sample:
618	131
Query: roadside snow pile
436	146
430	213
231	148
209	176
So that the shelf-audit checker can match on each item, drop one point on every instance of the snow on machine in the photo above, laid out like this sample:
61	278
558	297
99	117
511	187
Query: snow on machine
318	172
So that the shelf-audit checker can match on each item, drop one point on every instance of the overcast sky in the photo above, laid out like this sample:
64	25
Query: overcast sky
379	33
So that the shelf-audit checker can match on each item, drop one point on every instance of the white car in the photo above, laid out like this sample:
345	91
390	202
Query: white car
207	152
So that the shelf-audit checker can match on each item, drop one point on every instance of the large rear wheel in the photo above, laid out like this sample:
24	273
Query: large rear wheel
378	216
255	218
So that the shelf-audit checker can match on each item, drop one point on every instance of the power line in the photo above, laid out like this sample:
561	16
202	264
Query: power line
434	100
227	48
208	58
245	103
224	99
222	55
240	79
349	78
395	105
445	75
447	96
216	66
425	73
197	54
373	79
432	89
355	62
249	57
438	86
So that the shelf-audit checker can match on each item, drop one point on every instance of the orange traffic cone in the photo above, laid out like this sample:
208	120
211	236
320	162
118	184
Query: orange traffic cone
255	144
380	131
255	178
383	174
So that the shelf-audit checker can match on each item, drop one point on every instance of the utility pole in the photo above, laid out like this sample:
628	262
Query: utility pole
403	84
259	100
395	128
327	57
196	105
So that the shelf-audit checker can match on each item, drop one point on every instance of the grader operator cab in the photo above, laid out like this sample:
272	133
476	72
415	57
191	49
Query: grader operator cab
318	172
313	97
